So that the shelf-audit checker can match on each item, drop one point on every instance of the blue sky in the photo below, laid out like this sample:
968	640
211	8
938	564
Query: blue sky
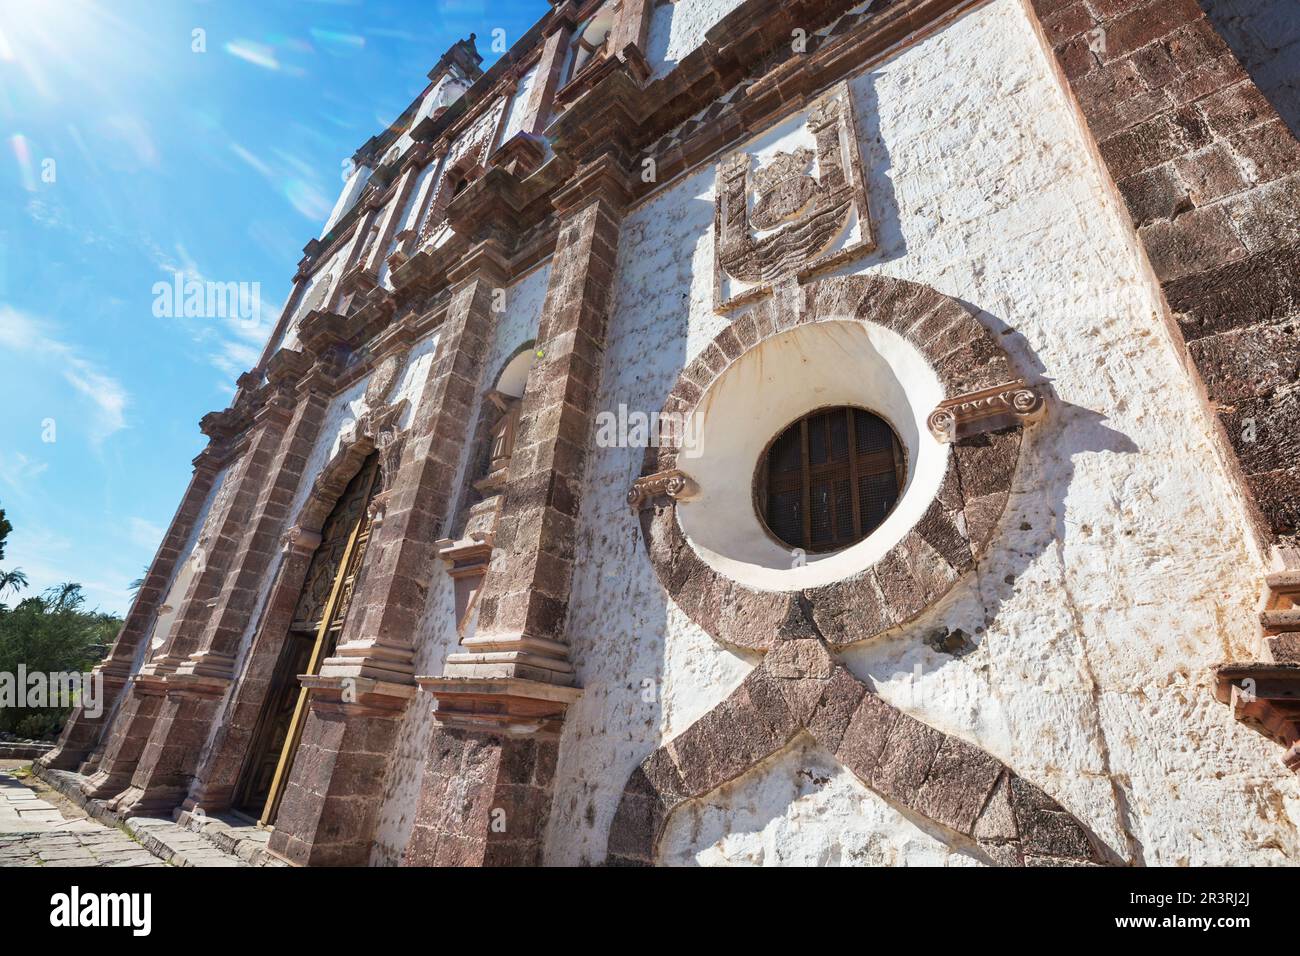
127	156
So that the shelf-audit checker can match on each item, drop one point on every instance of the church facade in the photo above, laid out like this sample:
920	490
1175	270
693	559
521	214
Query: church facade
739	432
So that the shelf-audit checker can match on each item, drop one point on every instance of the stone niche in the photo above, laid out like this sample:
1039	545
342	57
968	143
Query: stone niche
468	556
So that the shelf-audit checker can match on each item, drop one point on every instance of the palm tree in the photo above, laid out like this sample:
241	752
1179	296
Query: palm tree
13	580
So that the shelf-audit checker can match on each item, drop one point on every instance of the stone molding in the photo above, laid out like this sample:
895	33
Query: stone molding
947	540
799	688
985	410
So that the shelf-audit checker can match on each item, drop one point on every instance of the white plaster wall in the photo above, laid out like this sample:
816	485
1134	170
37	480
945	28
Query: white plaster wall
437	635
678	28
519	105
351	190
1119	574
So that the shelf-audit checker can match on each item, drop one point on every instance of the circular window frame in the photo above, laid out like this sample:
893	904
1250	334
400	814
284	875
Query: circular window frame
942	543
758	482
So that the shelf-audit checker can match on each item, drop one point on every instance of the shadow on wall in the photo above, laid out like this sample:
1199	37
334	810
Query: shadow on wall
1265	36
876	163
1034	519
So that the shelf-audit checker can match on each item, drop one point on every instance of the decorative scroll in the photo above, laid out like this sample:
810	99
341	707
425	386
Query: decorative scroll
985	410
673	484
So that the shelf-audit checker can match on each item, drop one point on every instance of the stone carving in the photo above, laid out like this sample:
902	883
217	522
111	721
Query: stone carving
382	379
799	217
783	189
985	410
673	484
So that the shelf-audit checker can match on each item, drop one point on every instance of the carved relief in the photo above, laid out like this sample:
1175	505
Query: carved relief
800	221
672	484
985	410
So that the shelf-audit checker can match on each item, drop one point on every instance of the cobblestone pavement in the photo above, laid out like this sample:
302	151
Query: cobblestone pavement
33	832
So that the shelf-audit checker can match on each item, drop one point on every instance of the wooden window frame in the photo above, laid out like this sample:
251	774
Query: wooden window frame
809	476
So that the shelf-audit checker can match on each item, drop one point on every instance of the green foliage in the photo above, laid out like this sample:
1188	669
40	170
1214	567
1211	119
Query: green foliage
52	633
5	528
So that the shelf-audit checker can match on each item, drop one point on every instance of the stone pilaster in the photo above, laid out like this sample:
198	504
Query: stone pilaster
524	603
331	802
82	731
404	555
501	702
632	26
542	94
217	776
327	813
198	686
260	447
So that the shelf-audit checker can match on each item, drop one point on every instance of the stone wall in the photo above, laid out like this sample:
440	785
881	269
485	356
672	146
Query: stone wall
1211	176
1265	36
1078	652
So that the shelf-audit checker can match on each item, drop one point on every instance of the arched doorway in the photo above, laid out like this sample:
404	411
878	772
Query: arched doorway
313	634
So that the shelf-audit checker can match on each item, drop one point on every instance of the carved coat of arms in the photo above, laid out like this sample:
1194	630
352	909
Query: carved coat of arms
808	211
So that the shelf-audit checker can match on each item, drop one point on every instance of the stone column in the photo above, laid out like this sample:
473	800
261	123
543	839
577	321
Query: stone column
333	794
501	701
197	687
82	731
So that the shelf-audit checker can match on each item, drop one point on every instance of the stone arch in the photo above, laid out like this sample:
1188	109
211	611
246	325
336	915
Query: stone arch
330	483
963	789
940	548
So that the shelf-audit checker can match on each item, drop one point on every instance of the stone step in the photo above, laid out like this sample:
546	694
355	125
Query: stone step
165	839
234	835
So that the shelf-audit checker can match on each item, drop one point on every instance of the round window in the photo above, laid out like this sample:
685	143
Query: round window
829	479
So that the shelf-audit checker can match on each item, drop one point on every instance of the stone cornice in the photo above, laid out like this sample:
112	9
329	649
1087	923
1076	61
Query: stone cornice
618	118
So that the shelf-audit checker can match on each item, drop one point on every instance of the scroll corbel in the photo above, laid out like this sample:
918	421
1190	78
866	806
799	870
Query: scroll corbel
986	410
673	484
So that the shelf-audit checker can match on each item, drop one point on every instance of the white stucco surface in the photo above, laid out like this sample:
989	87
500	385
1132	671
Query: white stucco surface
678	28
1120	571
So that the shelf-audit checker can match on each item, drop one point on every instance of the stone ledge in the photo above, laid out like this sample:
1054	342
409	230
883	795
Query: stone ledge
233	836
170	842
23	751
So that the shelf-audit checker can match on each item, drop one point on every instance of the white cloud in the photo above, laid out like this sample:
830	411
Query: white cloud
18	471
145	533
23	334
233	344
